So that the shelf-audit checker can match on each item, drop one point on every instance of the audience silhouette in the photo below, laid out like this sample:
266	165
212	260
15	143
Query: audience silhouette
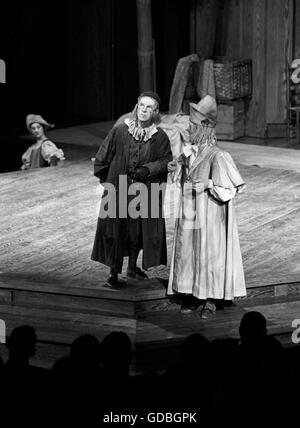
116	349
193	368
250	372
24	385
261	363
77	378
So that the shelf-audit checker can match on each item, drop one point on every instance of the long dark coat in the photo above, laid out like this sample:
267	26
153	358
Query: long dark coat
112	160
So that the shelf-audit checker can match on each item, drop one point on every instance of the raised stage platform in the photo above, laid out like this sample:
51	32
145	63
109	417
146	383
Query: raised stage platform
48	219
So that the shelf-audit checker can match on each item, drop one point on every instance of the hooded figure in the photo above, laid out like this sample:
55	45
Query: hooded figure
206	260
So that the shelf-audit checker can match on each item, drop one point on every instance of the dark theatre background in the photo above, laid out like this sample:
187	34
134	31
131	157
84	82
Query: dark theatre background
76	62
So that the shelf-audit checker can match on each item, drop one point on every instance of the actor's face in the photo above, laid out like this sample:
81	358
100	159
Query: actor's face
37	131
146	109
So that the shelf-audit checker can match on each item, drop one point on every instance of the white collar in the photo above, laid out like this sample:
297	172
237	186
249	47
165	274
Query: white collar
139	133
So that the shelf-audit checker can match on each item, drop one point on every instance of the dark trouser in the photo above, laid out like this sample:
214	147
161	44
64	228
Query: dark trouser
134	242
135	234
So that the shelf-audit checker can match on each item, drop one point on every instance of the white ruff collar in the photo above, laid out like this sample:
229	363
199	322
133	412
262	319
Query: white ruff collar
139	133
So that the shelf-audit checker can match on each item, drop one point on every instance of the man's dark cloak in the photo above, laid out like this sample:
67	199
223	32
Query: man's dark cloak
112	160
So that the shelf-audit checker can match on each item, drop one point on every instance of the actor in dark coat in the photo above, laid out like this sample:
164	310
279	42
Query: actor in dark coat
135	153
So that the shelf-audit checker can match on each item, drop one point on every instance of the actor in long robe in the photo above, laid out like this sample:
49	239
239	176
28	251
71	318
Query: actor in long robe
140	151
206	260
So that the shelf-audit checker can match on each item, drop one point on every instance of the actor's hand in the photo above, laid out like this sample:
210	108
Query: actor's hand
26	165
172	166
141	173
200	186
181	159
54	160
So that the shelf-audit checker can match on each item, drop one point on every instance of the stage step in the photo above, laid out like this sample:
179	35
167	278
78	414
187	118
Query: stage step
58	326
125	301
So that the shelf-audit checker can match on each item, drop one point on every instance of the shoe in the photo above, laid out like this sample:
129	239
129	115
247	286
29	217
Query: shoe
113	281
130	275
190	304
137	274
200	307
209	310
140	274
185	310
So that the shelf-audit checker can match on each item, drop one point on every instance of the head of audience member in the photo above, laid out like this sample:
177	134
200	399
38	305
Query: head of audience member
116	350
253	327
85	352
21	345
195	348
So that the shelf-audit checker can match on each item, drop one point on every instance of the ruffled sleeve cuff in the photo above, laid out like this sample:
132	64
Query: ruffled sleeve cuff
49	149
222	194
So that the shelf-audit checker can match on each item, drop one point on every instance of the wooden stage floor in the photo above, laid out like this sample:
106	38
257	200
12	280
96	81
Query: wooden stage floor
48	219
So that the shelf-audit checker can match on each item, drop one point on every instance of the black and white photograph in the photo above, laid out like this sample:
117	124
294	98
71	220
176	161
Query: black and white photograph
149	211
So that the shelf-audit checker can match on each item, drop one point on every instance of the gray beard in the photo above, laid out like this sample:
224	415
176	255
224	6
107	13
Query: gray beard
204	136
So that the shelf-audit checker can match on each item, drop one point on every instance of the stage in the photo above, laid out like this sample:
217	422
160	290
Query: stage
48	219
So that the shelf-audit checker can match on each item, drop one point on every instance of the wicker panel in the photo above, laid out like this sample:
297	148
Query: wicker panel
233	79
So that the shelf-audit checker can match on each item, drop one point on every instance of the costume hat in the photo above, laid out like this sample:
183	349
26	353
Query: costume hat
151	95
36	118
205	109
